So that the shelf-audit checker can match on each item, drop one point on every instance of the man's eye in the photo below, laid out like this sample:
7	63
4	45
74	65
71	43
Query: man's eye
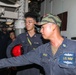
29	22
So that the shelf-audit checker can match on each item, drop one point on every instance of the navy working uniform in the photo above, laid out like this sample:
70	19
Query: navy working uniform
28	43
62	63
4	38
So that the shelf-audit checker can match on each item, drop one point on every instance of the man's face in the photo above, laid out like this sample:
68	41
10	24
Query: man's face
30	23
12	35
47	31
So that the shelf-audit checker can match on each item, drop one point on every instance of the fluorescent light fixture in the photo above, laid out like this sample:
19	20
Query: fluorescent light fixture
9	5
9	21
29	1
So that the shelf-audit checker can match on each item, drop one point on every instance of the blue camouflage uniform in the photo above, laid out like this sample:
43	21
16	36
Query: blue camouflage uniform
28	43
62	63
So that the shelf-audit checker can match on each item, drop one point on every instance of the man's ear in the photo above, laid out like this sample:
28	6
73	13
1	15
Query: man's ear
54	26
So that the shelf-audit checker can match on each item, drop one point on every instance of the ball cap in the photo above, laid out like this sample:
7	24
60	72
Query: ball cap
49	18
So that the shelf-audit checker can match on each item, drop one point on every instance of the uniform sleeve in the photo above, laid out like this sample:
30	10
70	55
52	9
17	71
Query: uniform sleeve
9	48
29	58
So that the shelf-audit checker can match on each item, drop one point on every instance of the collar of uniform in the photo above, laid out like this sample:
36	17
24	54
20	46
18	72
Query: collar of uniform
64	43
28	35
62	48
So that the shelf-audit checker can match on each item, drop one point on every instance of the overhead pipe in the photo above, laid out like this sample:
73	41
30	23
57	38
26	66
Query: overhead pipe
20	24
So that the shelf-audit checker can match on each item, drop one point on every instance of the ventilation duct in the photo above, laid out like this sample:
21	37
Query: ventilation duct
9	1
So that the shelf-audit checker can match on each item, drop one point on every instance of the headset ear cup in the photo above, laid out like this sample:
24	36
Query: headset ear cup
17	50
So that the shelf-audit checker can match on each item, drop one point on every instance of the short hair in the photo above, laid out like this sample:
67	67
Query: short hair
33	15
11	31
